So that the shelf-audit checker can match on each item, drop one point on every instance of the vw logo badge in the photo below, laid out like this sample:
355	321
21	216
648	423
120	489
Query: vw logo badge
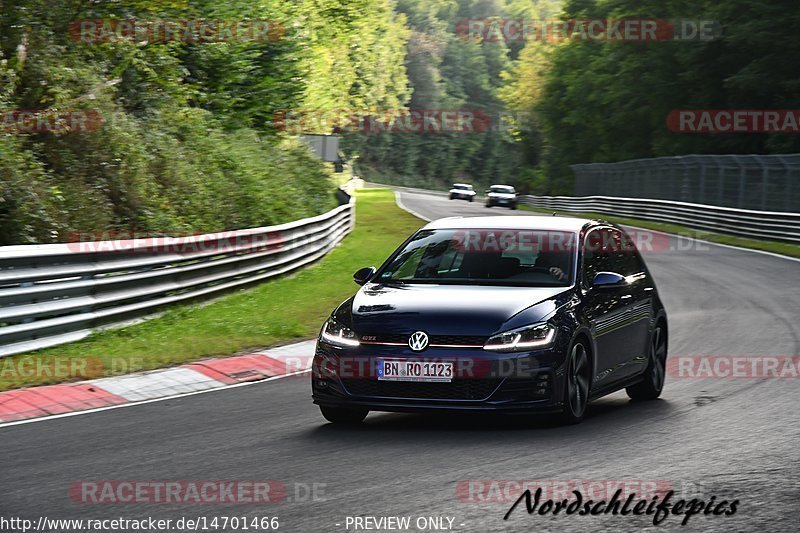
418	341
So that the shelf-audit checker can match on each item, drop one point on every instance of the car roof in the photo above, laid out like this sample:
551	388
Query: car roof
501	185
534	222
462	185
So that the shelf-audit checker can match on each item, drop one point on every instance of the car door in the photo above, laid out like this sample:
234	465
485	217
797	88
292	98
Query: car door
608	310
639	296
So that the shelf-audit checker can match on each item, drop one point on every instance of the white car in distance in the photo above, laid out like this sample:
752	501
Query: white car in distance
462	191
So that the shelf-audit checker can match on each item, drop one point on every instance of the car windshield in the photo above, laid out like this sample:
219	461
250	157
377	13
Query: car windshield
462	187
503	189
505	257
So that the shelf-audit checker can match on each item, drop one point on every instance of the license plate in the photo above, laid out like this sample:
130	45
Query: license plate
410	370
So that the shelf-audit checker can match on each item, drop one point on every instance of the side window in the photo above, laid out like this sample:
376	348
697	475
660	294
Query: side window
633	263
607	250
619	254
639	267
593	257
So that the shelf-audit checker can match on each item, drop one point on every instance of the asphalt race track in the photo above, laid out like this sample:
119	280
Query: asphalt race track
733	438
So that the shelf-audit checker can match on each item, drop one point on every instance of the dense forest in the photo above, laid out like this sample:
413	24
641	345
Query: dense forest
189	140
448	69
609	101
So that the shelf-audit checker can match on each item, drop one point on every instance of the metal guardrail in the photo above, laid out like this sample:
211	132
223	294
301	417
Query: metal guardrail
56	293
760	182
775	226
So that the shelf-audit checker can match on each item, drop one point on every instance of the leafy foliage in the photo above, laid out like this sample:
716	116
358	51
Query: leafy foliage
188	141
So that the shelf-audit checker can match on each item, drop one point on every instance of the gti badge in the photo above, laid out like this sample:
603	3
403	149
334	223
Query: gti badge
418	341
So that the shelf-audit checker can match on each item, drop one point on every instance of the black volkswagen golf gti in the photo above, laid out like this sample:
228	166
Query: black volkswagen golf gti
504	314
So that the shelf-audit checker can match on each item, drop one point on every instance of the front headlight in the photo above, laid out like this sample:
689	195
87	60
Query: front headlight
524	338
338	334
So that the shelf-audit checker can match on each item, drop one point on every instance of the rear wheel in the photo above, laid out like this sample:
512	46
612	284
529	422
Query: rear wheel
577	380
452	197
653	383
344	416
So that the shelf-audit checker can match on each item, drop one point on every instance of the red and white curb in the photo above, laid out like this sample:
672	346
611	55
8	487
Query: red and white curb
201	376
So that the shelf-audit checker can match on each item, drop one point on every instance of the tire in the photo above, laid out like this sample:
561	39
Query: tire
576	384
452	197
655	375
513	207
488	205
343	416
471	198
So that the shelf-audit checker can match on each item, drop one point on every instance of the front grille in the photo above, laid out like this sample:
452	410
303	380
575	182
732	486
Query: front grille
458	339
459	389
402	338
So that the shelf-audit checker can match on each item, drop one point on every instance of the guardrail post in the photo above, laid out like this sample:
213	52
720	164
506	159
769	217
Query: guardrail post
27	320
764	184
702	186
742	176
88	309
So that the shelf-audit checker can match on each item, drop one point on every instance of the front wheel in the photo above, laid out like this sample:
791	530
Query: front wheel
654	376
471	199
344	416
576	388
514	207
488	205
452	197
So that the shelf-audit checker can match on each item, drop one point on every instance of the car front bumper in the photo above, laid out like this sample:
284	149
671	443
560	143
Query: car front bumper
502	201
495	382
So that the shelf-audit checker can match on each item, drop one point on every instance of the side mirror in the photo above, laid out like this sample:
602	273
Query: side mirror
608	280
364	275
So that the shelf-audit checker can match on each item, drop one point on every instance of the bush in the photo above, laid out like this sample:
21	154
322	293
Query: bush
174	171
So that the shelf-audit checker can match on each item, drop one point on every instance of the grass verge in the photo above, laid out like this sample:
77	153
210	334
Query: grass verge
289	308
783	248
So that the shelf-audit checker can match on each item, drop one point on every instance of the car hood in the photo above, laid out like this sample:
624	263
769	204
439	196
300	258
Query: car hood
444	309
